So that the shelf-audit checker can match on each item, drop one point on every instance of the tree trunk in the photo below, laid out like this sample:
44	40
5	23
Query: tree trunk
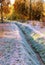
30	11
1	13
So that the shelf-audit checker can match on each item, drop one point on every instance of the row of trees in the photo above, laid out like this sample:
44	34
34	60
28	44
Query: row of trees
33	11
21	10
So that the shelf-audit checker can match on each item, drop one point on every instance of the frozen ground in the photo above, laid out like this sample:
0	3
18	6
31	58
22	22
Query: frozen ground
14	49
37	26
36	37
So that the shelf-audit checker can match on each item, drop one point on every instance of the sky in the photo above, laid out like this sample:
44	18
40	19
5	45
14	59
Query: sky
44	0
12	1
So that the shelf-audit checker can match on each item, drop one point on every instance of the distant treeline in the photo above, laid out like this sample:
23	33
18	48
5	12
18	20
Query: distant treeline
22	11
